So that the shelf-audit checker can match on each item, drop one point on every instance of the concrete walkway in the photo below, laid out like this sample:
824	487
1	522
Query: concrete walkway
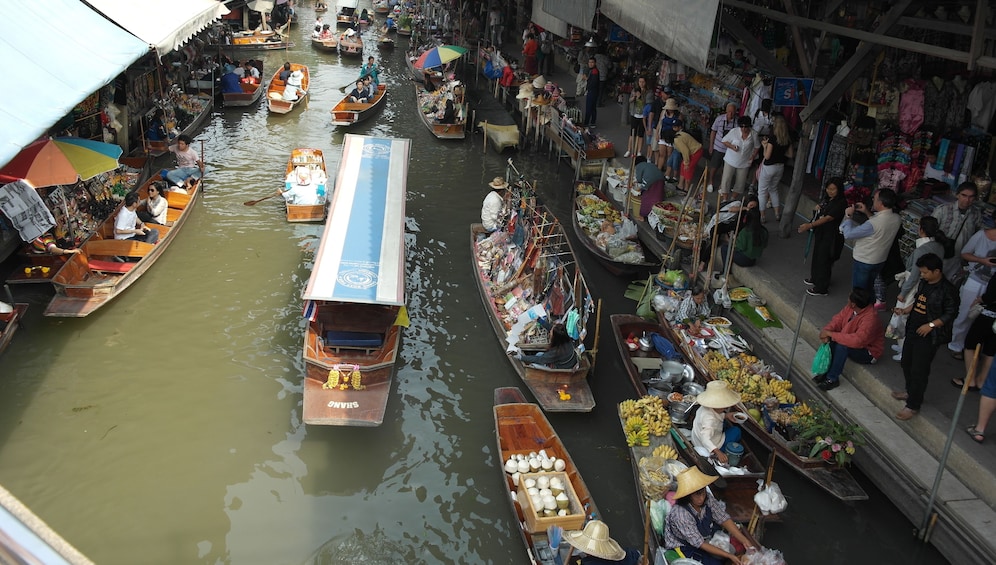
901	458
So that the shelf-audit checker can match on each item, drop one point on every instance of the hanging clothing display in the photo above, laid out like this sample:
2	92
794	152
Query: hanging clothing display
982	104
958	102
911	106
20	202
935	103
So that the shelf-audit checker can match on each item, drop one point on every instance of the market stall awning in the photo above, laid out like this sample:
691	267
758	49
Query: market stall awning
53	63
679	29
578	13
548	21
163	24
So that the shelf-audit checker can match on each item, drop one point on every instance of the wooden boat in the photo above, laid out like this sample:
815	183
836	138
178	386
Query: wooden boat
420	75
500	138
350	44
347	113
586	229
9	322
382	7
321	7
344	12
405	31
329	43
315	189
456	130
264	40
202	105
520	429
549	280
385	42
355	298
275	92
251	92
92	278
834	480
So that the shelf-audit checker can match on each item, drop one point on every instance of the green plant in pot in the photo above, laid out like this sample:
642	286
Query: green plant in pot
405	22
821	435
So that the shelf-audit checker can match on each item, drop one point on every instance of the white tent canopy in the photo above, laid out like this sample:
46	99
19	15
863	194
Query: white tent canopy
163	24
53	63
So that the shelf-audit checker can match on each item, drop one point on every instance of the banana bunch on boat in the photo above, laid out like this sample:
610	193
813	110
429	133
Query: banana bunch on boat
665	452
636	432
650	409
782	390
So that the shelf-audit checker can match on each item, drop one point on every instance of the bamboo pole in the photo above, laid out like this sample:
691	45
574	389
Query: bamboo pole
697	245
715	237
485	136
598	327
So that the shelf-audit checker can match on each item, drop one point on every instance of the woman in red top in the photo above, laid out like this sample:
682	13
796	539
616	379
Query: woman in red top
529	54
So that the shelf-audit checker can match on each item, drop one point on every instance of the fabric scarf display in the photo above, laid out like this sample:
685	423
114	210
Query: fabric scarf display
923	140
19	201
894	156
911	106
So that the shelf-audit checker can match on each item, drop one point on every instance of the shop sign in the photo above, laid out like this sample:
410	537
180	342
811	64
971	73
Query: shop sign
791	91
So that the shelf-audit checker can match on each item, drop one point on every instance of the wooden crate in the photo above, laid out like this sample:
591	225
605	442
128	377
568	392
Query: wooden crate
536	522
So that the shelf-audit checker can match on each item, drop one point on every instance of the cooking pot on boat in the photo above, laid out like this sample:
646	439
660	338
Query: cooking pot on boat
671	372
679	411
645	344
693	389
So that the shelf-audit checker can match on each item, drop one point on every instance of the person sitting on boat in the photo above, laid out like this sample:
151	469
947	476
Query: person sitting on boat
304	186
713	427
696	516
493	209
252	75
693	308
286	73
230	83
364	16
157	128
358	94
388	24
597	547
155	205
188	162
370	69
128	226
293	90
326	32
448	113
561	354
46	243
369	87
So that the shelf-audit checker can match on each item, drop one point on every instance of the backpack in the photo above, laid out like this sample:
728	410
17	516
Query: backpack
546	45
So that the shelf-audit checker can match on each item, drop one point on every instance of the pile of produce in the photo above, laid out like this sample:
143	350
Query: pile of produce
595	209
669	215
643	418
747	375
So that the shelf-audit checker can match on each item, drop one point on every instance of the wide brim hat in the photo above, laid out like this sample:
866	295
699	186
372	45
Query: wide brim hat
718	395
690	481
671	104
594	540
295	78
525	91
498	184
539	82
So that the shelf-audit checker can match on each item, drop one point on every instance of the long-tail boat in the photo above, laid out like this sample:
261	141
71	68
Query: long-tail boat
105	266
355	298
307	179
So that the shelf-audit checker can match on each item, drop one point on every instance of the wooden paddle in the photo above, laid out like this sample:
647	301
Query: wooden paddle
258	200
352	83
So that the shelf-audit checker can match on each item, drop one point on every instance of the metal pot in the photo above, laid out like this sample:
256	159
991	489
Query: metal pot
645	344
693	389
672	372
679	411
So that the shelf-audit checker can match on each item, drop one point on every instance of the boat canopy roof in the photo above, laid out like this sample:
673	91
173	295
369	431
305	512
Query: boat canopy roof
347	4
361	258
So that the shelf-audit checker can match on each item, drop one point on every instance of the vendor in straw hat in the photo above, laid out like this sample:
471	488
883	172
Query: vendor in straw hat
494	205
695	517
713	428
596	545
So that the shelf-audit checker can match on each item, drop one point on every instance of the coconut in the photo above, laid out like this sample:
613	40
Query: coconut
562	512
511	466
543	482
546	492
522	466
534	464
559	465
547	464
515	478
531	483
562	500
549	503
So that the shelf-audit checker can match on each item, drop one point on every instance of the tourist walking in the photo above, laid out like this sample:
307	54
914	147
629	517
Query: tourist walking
980	254
742	146
776	147
959	220
722	125
828	242
873	238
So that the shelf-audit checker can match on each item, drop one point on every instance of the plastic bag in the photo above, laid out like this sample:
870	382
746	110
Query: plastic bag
628	229
762	556
821	361
897	327
769	498
721	540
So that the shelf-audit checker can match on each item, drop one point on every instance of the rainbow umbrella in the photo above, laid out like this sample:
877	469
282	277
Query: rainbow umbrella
439	56
62	160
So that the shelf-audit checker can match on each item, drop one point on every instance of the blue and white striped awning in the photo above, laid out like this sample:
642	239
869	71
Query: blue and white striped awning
362	255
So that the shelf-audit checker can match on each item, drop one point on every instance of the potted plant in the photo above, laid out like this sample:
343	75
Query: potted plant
821	435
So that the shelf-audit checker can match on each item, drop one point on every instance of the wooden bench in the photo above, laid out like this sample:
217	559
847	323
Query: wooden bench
114	248
367	341
178	200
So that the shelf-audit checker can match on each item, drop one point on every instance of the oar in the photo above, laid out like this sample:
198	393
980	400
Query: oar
351	83
258	200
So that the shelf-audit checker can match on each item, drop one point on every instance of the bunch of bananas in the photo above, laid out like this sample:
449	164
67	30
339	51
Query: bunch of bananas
636	432
782	390
650	410
716	362
665	452
800	411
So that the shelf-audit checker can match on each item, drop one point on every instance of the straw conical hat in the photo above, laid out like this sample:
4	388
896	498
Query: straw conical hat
691	480
718	395
594	540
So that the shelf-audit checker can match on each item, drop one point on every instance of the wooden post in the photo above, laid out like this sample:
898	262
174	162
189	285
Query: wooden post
795	188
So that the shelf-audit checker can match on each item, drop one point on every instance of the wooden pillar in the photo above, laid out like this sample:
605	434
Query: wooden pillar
798	173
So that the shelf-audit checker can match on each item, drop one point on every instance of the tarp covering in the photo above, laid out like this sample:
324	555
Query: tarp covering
54	63
163	24
680	29
551	23
579	13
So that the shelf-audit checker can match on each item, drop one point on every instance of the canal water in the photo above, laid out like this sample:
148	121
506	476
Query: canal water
166	428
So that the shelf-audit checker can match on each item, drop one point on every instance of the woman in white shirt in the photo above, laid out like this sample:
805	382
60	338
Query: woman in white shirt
155	205
741	149
713	428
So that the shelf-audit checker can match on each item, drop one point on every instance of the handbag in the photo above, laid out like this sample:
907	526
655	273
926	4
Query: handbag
949	243
821	361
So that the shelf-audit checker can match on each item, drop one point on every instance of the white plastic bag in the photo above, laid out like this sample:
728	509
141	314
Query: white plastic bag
762	556
628	229
721	540
770	499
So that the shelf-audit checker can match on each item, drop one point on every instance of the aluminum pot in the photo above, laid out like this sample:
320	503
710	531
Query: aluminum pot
693	389
672	372
679	411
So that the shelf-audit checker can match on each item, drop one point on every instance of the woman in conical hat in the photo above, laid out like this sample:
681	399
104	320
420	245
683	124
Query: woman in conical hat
695	517
596	545
713	428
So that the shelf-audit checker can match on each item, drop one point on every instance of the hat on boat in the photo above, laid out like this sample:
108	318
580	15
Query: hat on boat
594	540
498	184
295	78
671	104
539	82
691	480
718	395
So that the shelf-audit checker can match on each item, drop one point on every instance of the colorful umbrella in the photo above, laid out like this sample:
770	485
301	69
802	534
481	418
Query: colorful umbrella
438	56
62	160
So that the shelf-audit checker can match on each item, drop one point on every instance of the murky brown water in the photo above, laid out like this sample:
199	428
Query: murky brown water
167	428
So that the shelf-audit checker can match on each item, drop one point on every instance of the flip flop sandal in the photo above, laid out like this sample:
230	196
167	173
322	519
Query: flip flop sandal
977	436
